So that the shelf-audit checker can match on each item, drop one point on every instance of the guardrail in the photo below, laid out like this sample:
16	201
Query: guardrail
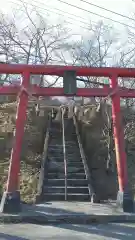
64	153
43	162
86	169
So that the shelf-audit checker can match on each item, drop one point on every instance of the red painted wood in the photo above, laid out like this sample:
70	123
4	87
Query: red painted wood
85	92
26	70
119	139
14	169
59	70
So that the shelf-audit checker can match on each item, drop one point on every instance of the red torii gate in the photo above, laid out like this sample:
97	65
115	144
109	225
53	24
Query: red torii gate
11	197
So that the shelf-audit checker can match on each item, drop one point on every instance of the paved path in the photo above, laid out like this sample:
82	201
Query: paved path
77	208
66	232
71	212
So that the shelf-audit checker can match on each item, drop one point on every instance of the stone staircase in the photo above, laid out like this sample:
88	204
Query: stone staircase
54	180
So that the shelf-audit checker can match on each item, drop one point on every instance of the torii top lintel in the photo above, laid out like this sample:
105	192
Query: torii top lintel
54	70
58	70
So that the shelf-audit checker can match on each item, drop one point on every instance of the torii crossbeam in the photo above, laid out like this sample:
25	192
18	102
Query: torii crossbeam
11	197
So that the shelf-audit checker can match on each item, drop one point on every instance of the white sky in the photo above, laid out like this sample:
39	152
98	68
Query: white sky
126	7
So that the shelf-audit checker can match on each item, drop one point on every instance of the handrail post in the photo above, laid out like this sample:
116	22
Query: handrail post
64	153
91	190
44	158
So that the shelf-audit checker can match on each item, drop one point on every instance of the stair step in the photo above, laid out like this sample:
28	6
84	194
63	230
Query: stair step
76	157
53	142
55	146
54	133
61	169
60	161
70	142
73	153
66	144
55	137
61	164
54	182
70	175
70	197
75	163
56	129
61	189
55	150
70	182
57	159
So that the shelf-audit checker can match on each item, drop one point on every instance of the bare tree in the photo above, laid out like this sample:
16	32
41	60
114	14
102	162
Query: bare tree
36	43
96	50
33	40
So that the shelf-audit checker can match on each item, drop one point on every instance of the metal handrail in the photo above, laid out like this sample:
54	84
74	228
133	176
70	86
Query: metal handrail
86	169
64	152
44	158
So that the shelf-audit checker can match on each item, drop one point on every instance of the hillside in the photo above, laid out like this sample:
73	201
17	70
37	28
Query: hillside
91	127
95	140
31	149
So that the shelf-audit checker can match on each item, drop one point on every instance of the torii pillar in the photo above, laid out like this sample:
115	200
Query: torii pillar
124	196
10	202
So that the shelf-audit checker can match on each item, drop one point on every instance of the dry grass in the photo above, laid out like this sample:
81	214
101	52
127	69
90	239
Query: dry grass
96	148
31	154
31	151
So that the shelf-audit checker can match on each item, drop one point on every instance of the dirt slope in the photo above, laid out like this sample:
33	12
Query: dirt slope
93	140
31	149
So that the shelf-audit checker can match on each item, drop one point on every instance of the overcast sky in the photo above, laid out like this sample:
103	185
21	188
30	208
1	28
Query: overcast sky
125	7
48	8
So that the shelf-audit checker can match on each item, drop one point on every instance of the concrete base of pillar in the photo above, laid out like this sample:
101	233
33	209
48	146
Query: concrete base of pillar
10	202
125	201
